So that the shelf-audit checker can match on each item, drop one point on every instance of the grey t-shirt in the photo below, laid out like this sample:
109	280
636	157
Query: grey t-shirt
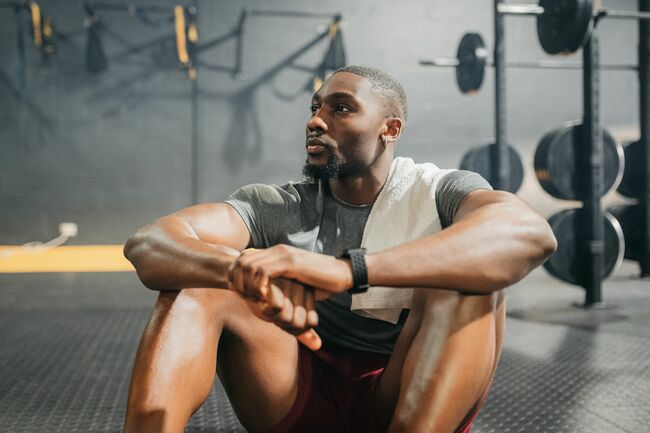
289	214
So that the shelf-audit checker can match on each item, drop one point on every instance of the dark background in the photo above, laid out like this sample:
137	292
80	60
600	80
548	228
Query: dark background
112	151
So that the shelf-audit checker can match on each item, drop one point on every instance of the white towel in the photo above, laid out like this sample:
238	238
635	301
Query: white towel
405	210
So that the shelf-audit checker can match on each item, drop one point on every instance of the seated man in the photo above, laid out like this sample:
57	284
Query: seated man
240	280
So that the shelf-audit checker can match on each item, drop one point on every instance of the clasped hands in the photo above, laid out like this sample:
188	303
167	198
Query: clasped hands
282	283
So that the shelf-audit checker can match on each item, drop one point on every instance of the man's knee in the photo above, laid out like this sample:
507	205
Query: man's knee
452	308
199	303
434	302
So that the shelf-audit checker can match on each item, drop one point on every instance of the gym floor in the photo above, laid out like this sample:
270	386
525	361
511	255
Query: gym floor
67	342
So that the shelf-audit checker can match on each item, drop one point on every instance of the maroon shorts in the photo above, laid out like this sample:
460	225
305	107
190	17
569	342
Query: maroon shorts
336	394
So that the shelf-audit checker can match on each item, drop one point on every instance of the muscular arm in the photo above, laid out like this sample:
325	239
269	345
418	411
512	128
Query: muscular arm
196	247
190	248
496	240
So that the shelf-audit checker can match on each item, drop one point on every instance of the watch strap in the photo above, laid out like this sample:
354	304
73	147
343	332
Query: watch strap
357	259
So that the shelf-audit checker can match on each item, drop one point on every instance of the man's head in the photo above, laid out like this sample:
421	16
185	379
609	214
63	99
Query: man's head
357	116
390	90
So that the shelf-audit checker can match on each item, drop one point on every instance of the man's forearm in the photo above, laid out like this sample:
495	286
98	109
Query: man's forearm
167	255
489	249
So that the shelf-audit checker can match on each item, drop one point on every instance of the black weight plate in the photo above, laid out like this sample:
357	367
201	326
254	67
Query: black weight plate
479	160
472	58
565	25
629	217
570	261
558	172
632	183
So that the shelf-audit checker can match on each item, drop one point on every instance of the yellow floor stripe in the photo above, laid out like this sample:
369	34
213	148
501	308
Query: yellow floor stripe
67	258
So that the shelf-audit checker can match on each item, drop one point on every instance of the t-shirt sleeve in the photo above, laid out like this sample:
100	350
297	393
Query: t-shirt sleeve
264	209
452	189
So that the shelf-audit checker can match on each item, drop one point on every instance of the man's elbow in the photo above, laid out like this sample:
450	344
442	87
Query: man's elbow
136	250
539	243
136	244
547	243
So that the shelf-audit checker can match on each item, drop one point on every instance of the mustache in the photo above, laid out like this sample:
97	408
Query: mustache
315	139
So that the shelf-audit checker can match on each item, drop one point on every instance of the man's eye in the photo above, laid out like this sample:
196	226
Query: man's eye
342	108
313	109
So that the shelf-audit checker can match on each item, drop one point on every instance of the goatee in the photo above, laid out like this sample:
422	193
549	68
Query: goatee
331	170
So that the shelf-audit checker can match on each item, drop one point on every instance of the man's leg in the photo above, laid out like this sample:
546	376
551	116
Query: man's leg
443	361
177	358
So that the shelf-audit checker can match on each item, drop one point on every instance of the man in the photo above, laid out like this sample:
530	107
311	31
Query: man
424	366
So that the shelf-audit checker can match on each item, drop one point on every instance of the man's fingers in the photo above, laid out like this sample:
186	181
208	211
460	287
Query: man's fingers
299	319
285	316
274	301
310	308
259	283
238	281
291	306
310	339
238	277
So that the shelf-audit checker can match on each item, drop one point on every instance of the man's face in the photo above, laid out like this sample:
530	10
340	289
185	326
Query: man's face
345	127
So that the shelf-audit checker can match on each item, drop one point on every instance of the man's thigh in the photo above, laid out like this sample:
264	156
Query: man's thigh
258	366
444	328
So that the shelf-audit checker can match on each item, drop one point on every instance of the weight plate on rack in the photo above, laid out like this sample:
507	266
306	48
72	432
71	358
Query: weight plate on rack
472	59
480	160
629	217
632	183
565	178
565	25
570	263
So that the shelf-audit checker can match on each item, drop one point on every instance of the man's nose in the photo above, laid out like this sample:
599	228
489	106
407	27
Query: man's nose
316	123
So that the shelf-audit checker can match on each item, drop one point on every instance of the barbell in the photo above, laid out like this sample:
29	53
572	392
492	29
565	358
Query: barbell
472	57
563	26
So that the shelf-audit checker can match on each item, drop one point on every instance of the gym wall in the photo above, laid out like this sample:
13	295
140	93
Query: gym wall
112	151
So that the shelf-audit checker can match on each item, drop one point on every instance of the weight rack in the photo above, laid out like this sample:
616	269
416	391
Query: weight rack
592	159
501	156
644	114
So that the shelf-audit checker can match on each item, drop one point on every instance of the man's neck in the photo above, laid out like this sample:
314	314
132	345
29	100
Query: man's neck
362	188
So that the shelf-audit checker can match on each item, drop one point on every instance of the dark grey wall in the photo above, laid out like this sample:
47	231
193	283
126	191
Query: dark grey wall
112	152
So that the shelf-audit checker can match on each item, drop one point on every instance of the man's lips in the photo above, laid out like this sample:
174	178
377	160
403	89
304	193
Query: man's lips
315	146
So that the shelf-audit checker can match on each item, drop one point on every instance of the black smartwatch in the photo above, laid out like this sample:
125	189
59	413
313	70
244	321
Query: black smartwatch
357	258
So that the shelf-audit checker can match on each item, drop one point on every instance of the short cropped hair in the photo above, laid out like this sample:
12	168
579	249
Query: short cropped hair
388	88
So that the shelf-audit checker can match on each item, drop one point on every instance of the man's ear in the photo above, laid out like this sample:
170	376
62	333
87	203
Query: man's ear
392	130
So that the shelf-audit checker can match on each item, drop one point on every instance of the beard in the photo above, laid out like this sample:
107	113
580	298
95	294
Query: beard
331	170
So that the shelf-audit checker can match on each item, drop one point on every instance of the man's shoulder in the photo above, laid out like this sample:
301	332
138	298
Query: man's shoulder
291	191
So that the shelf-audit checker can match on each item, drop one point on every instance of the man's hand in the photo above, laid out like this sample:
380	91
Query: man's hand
291	306
251	273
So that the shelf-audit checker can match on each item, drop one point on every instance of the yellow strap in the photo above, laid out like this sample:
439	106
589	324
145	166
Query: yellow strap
181	38
66	258
36	23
